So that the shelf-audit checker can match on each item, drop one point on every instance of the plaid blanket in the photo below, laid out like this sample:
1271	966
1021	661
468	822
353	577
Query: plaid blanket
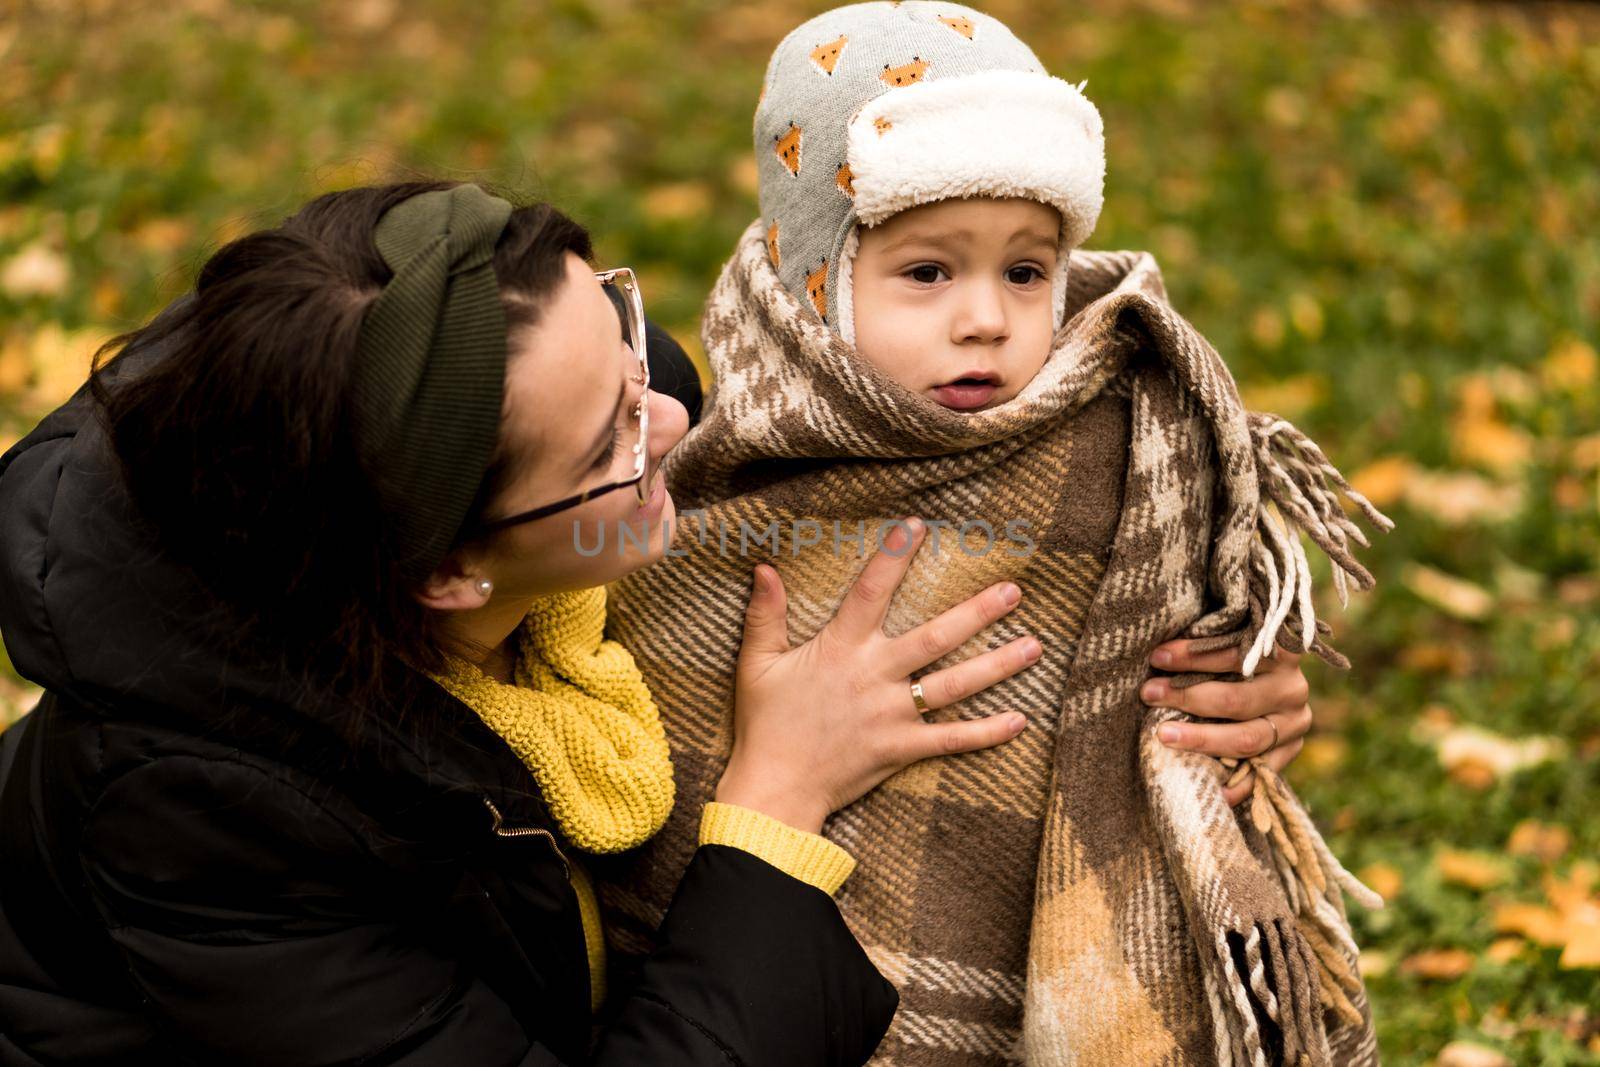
1082	895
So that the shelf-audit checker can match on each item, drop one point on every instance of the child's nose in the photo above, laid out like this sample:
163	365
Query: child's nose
981	316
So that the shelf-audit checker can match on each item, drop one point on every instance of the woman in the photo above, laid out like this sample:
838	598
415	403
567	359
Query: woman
276	569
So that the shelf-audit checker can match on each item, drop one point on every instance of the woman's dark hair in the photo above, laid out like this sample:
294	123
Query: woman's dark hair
234	434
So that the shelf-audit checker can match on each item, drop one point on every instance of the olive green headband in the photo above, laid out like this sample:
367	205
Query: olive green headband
430	368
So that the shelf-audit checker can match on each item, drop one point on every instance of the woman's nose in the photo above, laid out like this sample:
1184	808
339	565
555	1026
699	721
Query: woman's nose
669	421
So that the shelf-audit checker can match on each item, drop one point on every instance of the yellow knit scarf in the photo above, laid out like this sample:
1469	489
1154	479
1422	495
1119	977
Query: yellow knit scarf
582	719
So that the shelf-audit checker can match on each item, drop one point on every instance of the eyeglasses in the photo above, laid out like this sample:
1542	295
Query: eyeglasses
621	282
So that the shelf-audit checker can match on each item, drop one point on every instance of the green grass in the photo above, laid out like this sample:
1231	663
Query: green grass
1381	214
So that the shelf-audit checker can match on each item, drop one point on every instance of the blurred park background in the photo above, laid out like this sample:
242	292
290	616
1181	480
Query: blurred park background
1383	215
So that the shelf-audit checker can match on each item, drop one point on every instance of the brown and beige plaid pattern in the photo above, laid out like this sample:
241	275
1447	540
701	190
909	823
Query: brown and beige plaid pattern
1082	895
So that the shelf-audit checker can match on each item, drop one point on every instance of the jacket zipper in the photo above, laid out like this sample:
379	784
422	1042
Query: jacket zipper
528	831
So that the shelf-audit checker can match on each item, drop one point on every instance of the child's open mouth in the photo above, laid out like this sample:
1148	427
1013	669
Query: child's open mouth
972	390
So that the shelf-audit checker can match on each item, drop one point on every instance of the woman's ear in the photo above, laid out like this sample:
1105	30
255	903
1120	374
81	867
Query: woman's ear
457	584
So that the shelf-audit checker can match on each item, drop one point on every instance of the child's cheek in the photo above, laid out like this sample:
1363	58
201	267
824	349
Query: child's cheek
897	341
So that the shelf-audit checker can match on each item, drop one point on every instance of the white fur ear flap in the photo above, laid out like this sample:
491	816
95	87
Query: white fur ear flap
1058	285
845	293
994	133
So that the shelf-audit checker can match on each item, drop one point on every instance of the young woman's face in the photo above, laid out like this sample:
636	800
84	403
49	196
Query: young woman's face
952	299
569	404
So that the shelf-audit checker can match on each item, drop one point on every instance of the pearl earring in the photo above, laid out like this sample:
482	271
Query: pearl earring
485	587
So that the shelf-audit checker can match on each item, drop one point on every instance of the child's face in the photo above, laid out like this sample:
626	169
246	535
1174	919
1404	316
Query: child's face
952	299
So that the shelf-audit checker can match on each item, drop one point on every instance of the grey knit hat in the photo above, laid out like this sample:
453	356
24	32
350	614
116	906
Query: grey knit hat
870	109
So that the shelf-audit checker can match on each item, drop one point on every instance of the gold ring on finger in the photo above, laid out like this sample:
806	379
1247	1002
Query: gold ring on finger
917	698
1276	739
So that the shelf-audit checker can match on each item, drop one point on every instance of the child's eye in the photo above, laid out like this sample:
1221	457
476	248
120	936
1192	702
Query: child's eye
1023	275
924	274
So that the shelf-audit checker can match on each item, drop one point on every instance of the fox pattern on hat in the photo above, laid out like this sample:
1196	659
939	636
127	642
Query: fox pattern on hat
873	108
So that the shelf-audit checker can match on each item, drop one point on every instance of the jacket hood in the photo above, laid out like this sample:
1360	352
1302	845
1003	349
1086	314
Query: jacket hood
69	554
89	607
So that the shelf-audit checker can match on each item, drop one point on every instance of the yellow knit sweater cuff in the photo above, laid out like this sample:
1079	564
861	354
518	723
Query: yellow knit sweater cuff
812	859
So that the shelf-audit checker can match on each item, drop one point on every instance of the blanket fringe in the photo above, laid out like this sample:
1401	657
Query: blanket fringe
1303	491
1285	976
1312	880
1312	956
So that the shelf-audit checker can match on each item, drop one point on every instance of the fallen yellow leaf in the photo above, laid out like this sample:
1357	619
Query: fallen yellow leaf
1433	722
1438	964
1430	657
1505	949
1492	444
1475	397
1585	452
1531	837
1479	436
1470	1054
1535	922
163	236
1570	366
1451	595
36	270
1456	498
1323	753
1583	938
1472	773
1383	879
1572	892
1475	870
1512	387
1383	480
1473	752
16	366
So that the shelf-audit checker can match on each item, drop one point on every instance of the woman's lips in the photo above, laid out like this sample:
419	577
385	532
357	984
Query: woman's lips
965	395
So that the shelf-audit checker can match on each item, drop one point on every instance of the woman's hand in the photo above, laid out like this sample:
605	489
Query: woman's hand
818	726
1276	696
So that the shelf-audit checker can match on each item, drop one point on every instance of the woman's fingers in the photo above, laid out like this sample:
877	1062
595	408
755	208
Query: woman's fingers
1277	759
1250	698
1275	696
927	740
864	607
1238	740
1175	656
766	619
943	634
942	688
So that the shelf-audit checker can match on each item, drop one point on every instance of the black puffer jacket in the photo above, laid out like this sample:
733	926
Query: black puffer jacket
195	867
